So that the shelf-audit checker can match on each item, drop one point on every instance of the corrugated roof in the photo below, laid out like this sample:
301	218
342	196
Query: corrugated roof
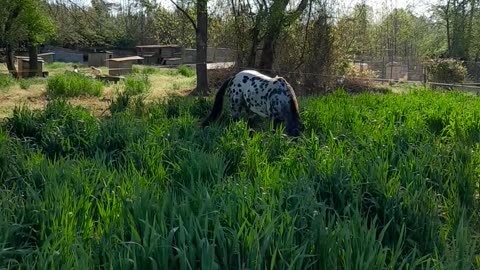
158	46
129	58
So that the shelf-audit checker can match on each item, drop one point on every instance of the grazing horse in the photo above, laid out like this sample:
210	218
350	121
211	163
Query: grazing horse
262	95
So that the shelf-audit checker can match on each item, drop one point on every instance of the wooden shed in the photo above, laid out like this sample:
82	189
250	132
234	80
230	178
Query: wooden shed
23	66
122	66
159	54
48	57
99	58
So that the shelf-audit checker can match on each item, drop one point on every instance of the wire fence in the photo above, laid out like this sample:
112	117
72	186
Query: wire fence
217	72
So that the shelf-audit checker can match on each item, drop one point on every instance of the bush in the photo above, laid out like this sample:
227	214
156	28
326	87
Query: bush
356	80
186	71
134	88
149	70
24	84
136	85
60	129
144	70
73	85
446	71
6	80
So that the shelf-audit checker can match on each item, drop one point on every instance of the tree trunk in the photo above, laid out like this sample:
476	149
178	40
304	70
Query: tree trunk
268	53
447	21
10	62
252	56
201	40
277	20
33	55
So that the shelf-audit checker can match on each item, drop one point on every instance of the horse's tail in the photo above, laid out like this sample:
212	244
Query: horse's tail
293	103
218	104
294	109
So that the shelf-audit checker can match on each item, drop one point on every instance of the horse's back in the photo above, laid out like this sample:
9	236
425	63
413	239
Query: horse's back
252	73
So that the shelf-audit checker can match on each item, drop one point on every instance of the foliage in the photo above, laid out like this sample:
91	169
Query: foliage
24	84
26	20
446	71
145	70
6	81
73	85
135	85
59	130
378	182
37	25
132	92
186	71
356	79
457	17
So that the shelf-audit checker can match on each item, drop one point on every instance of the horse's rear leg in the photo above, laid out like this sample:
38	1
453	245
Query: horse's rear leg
236	107
276	123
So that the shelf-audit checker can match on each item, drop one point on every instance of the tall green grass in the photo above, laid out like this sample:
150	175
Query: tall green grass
73	85
186	71
146	70
131	92
136	85
378	182
6	81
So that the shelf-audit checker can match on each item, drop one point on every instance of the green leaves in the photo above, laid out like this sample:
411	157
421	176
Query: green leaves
379	182
28	20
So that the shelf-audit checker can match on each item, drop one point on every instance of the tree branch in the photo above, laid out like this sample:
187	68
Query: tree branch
186	15
289	18
305	41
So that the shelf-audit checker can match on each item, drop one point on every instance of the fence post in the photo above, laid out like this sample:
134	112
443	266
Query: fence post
424	77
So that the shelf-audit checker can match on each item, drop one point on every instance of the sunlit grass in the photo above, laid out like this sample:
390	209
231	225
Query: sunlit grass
73	85
378	182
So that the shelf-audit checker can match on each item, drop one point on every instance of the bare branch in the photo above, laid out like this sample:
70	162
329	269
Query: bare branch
186	15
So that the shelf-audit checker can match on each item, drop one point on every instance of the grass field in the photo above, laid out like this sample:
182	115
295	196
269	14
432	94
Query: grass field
33	92
378	182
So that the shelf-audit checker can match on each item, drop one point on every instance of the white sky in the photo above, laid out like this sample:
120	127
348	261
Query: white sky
417	6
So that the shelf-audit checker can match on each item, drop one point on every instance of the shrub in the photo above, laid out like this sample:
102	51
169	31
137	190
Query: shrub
24	84
356	80
136	85
60	129
149	70
144	70
67	129
6	80
134	88
73	85
24	123
446	71
186	71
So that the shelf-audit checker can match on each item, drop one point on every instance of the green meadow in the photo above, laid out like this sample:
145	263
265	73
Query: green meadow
379	181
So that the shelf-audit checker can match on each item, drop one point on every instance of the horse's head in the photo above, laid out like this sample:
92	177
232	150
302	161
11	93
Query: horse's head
295	128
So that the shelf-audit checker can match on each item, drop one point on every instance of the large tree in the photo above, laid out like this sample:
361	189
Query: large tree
201	29
458	17
23	21
267	20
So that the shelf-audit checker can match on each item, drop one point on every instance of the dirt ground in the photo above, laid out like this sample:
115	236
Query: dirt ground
164	83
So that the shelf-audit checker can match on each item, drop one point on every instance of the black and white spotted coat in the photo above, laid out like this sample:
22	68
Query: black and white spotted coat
252	91
258	94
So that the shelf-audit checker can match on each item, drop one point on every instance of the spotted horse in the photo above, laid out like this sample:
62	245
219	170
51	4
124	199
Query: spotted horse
259	94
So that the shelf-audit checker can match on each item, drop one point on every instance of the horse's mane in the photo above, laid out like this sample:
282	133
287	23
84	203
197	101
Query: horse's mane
294	105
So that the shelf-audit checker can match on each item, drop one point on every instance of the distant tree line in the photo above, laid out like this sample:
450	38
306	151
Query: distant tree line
300	35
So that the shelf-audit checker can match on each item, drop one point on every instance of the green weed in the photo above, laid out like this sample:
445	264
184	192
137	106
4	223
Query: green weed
378	182
186	71
73	85
6	81
136	85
